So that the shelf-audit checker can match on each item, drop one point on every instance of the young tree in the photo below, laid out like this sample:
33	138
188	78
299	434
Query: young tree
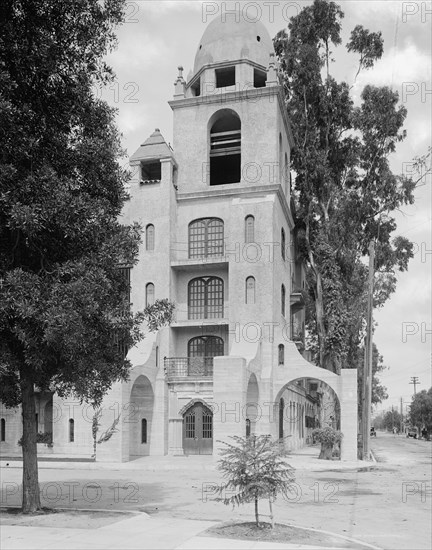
255	468
344	189
65	318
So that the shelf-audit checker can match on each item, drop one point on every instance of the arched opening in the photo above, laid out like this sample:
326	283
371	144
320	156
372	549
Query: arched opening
252	412
150	237
201	351
281	354
198	430
71	430
249	229
225	148
312	404
140	416
150	294
206	298
250	290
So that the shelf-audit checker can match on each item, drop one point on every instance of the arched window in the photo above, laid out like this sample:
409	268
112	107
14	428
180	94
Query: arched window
3	430
205	298
157	356
150	237
225	148
250	290
144	430
206	238
71	430
281	418
150	294
283	243
283	300
249	229
281	354
205	346
248	427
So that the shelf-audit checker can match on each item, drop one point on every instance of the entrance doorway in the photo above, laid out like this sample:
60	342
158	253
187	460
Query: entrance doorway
198	430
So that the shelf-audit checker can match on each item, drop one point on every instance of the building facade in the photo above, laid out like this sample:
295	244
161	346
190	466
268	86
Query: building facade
219	243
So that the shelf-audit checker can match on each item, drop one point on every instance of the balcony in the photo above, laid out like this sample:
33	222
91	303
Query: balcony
179	369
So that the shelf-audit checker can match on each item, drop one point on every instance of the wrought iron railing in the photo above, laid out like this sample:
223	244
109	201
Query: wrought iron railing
188	367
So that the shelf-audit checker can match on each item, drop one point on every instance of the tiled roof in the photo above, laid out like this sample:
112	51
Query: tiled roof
154	147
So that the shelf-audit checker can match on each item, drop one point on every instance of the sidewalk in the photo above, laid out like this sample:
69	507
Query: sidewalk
139	532
301	459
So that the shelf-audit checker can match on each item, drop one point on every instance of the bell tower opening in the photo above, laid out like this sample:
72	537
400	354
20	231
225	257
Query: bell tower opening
225	148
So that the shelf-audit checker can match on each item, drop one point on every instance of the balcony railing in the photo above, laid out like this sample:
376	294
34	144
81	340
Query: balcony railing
188	367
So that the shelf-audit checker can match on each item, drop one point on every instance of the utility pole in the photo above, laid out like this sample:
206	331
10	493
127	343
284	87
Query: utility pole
401	415
415	381
367	373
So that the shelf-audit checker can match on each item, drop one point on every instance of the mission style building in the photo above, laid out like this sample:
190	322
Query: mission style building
219	242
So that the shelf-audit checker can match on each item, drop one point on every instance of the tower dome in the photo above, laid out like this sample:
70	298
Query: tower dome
232	39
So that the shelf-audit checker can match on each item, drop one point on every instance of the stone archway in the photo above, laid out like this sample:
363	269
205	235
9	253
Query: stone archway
252	409
140	417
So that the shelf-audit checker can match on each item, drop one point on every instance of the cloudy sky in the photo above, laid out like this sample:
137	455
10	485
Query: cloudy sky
158	36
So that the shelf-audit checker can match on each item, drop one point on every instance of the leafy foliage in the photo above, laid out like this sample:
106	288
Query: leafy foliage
65	317
344	190
327	436
255	468
421	410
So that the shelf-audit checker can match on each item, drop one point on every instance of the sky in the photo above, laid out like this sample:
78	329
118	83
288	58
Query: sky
158	36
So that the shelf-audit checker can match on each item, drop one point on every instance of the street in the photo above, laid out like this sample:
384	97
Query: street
387	504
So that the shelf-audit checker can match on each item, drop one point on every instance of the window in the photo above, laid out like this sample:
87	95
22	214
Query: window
225	77
248	427
281	354
150	237
249	229
260	78
151	172
283	300
3	430
205	298
157	356
283	243
71	430
196	88
125	272
206	238
207	424
150	294
281	418
190	425
205	346
225	148
250	290
144	430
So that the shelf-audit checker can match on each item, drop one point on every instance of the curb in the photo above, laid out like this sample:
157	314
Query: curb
336	535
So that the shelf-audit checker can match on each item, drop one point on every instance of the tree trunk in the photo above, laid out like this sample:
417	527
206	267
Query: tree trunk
271	512
326	451
31	496
319	311
256	512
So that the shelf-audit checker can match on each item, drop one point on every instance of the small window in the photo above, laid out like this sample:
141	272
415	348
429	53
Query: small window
151	172
248	427
283	243
283	293
71	430
157	356
150	237
225	77
150	294
281	418
281	354
249	229
3	430
260	78
144	430
250	290
196	88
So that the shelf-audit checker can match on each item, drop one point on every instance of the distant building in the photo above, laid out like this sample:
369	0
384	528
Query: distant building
219	242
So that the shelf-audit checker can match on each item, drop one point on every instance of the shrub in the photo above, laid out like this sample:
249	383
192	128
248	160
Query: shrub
328	437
